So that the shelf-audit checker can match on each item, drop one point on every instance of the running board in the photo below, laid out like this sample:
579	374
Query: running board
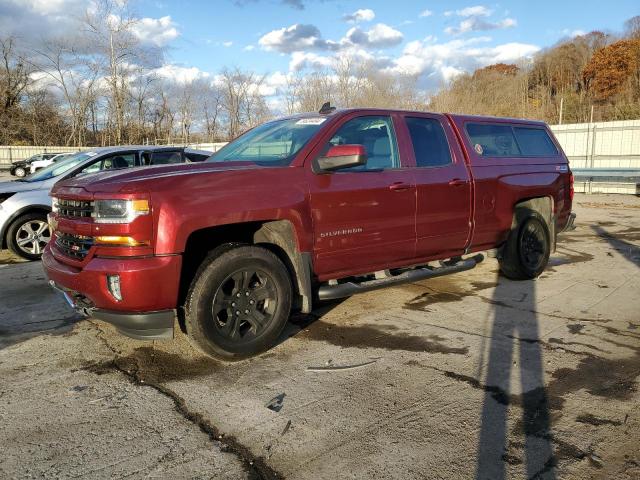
330	292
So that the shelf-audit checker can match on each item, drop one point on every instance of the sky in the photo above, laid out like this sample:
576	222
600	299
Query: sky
433	39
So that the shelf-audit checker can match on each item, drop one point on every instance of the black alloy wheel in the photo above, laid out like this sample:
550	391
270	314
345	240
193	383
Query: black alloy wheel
244	304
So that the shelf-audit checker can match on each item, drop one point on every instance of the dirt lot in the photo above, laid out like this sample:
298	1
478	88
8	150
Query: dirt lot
462	376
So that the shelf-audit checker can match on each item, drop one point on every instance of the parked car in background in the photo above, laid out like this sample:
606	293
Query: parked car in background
40	164
25	203
305	208
21	168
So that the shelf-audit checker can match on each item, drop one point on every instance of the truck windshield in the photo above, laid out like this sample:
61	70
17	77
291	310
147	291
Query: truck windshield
271	144
58	168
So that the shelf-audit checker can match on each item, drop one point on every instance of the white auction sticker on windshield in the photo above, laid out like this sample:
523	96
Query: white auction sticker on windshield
91	154
311	121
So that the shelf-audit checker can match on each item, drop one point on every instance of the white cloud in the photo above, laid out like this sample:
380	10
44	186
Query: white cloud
573	33
295	38
380	36
476	11
249	48
227	44
477	24
157	31
361	15
438	63
425	13
181	75
301	60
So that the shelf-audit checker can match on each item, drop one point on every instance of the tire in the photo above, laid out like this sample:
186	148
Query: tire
526	253
238	303
20	172
28	235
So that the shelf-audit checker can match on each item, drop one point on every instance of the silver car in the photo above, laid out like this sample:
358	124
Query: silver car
25	203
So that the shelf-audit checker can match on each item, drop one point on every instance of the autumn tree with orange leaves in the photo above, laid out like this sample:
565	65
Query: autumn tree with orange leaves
614	70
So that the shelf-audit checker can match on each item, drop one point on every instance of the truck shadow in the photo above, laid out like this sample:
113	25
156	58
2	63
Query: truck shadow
628	250
514	332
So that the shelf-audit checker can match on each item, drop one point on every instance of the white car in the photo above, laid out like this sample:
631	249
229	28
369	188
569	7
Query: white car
25	203
38	164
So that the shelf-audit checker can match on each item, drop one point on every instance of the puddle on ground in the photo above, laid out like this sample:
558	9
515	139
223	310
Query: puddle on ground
366	336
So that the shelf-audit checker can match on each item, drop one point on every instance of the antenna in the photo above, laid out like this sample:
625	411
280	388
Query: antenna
326	108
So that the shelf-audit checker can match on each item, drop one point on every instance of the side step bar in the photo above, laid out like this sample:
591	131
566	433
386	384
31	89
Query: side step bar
330	292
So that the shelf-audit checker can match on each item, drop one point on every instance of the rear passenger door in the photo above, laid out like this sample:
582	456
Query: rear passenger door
443	183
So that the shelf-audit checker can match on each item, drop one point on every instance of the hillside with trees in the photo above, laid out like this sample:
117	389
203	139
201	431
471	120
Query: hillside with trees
596	70
101	87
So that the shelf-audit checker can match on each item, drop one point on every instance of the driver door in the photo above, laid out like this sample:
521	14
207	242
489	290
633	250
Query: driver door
363	217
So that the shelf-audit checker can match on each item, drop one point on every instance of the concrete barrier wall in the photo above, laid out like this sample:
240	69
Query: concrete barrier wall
601	144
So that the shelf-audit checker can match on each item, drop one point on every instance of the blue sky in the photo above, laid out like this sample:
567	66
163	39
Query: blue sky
205	26
434	40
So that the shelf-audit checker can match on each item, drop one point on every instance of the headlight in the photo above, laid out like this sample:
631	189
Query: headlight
54	204
119	211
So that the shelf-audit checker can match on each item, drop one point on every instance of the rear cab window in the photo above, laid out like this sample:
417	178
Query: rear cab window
503	140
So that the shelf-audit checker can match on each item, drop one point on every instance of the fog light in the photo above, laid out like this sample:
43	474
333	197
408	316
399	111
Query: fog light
113	283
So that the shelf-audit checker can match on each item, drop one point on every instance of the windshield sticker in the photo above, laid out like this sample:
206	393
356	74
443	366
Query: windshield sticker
91	154
478	148
311	121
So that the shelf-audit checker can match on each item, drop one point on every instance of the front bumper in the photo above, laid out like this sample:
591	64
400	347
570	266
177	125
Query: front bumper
149	292
141	326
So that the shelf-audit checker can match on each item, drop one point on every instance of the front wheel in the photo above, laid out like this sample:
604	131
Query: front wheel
239	302
528	247
20	172
28	235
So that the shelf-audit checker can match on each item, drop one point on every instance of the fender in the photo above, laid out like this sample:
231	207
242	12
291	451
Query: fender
14	215
281	233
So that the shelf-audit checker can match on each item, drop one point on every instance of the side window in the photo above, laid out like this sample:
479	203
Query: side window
165	158
126	160
493	140
535	141
430	145
376	134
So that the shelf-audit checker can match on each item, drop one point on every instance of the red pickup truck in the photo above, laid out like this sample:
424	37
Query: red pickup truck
301	209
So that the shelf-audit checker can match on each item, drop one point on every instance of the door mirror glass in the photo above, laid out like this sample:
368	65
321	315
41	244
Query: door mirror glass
343	156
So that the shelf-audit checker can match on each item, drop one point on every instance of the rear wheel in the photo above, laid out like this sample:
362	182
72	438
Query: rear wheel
527	250
239	302
28	235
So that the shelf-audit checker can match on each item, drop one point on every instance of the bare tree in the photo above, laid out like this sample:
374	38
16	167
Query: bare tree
74	73
242	103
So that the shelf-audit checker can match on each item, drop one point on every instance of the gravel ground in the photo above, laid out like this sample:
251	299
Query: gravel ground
460	376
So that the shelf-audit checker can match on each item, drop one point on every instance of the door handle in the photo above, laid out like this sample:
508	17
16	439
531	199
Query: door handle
399	187
456	182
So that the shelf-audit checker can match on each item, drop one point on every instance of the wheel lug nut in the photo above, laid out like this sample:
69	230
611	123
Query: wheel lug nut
237	312
233	304
238	295
251	302
246	311
246	294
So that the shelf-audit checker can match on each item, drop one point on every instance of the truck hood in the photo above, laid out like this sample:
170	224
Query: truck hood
131	179
15	186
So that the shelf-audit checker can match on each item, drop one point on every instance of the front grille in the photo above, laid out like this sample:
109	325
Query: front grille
74	208
74	246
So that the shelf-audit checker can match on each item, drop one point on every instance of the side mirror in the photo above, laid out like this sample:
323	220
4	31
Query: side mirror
342	156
